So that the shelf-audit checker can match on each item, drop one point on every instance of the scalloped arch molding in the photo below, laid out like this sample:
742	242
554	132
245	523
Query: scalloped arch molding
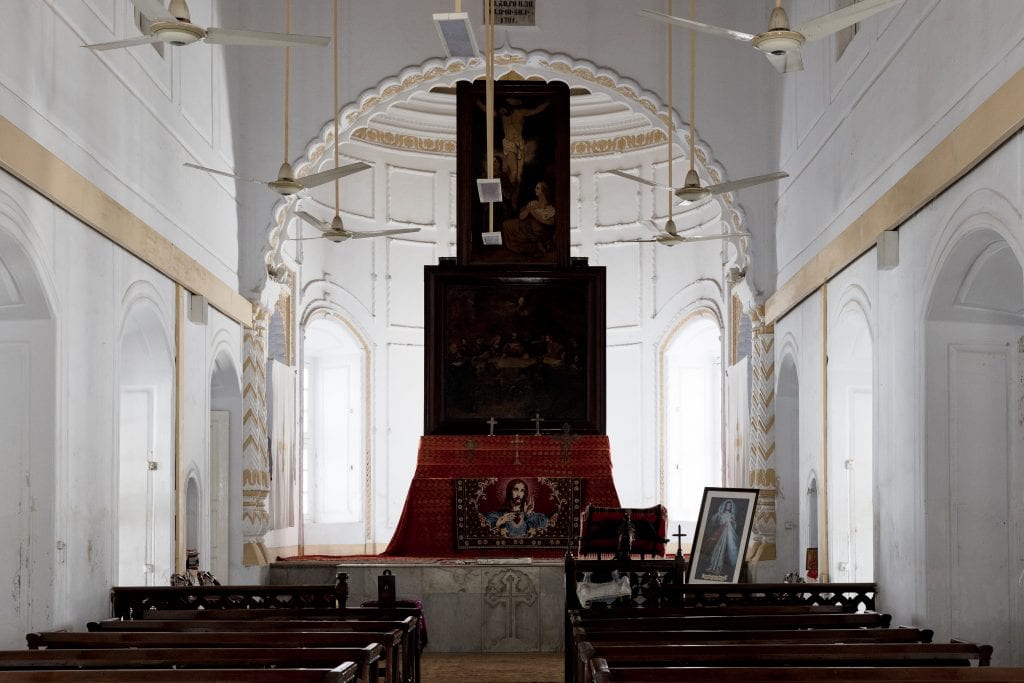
377	116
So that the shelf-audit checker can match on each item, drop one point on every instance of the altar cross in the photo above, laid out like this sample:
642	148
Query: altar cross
492	422
679	540
566	440
537	419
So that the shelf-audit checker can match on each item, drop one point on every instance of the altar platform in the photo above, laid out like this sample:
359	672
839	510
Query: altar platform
470	605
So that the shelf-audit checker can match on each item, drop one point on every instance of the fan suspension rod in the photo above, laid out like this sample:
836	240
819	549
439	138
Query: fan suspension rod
671	128
337	141
287	71
489	101
693	78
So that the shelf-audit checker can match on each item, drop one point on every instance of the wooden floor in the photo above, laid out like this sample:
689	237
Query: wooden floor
531	667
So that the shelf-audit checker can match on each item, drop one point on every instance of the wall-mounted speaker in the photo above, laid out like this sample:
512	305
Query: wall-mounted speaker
198	308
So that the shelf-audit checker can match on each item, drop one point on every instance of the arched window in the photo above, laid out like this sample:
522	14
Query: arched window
693	416
333	424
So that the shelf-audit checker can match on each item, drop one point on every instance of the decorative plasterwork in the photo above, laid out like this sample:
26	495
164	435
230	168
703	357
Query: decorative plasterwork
415	112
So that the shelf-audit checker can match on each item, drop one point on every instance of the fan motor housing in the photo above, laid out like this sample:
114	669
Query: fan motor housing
177	32
778	42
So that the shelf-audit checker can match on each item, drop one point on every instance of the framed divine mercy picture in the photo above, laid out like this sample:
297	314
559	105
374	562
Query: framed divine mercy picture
526	218
723	531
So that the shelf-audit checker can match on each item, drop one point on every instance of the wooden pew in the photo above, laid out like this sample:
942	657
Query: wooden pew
731	621
411	646
781	654
408	626
128	602
606	673
345	673
902	634
391	642
366	658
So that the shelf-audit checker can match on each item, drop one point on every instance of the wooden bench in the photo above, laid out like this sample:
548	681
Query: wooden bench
781	654
391	642
127	602
902	634
730	621
366	658
345	673
411	645
606	673
408	626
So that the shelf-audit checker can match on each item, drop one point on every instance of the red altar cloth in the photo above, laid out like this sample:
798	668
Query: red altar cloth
427	525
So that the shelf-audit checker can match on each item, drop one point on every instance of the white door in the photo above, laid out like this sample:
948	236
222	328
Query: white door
220	445
135	513
979	552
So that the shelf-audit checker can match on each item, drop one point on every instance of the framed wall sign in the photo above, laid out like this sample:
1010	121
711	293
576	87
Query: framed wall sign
511	344
723	530
530	161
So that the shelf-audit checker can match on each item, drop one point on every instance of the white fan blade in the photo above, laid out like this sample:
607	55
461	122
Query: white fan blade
236	36
382	233
696	25
130	42
794	61
636	178
746	182
332	174
723	236
303	239
827	24
314	221
153	10
225	174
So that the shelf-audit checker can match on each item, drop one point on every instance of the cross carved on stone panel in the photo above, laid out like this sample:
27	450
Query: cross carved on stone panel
516	442
510	589
471	446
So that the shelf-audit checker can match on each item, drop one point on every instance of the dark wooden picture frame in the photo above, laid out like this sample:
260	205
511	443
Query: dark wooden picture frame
723	530
531	162
512	343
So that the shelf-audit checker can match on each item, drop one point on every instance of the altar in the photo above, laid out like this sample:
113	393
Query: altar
427	527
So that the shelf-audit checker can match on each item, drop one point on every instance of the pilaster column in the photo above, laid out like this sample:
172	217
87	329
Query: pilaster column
255	460
761	456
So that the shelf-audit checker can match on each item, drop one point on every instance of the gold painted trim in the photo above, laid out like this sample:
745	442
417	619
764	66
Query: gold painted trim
44	172
989	126
179	429
823	566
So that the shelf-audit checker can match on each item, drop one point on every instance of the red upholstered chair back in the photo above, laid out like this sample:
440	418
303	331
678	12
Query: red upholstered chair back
600	526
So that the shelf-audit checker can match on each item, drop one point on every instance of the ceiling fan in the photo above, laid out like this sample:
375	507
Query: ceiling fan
692	191
780	43
173	25
286	183
670	237
335	230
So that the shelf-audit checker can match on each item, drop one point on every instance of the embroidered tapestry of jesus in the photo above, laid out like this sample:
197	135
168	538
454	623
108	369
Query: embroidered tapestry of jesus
517	512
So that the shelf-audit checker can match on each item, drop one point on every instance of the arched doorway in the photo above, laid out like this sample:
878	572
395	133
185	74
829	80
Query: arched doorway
145	470
973	454
850	498
225	559
335	389
27	410
692	363
788	537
